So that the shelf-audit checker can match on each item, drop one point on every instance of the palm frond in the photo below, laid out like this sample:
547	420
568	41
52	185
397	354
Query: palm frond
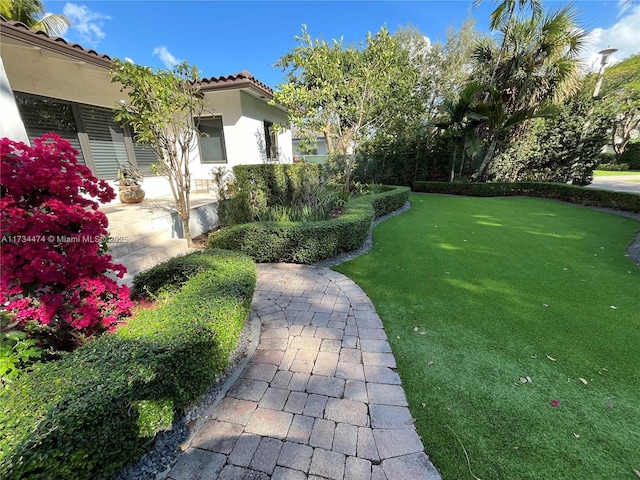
53	24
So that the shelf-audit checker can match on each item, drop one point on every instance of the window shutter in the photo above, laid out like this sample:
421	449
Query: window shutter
42	115
106	140
145	157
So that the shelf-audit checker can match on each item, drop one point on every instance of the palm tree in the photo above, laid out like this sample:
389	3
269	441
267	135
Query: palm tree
33	15
503	17
539	66
459	125
500	123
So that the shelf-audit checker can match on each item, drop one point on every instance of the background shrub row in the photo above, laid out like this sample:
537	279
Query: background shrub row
628	202
308	242
613	167
258	187
96	410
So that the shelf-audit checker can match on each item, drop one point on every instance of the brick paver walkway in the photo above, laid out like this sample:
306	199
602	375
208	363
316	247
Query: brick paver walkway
320	397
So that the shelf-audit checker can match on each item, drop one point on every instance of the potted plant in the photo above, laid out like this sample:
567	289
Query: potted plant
129	180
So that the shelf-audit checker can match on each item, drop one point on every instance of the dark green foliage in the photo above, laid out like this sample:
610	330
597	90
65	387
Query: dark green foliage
258	187
413	156
310	241
556	149
628	202
631	155
96	410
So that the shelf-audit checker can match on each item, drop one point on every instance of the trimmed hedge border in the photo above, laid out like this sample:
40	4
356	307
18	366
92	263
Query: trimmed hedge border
98	409
308	242
628	202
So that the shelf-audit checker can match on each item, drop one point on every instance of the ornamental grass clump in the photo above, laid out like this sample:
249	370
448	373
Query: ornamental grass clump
54	261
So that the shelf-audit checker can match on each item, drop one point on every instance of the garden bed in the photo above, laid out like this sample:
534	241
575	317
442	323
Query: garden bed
308	242
99	408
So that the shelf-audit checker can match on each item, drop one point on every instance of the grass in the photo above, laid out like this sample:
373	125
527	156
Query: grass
477	293
611	173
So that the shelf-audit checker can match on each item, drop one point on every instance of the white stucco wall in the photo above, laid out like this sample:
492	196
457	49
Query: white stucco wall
11	125
255	112
243	117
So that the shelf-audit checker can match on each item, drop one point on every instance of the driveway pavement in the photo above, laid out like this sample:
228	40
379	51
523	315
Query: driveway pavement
319	398
619	183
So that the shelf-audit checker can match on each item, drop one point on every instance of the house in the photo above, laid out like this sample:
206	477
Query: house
316	153
63	87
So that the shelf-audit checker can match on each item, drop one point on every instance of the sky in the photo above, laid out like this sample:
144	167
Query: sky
227	37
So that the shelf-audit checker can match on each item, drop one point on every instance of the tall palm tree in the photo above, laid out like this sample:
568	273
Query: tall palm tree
33	15
539	66
503	17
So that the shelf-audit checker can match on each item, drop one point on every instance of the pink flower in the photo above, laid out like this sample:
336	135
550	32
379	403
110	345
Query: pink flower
555	403
45	201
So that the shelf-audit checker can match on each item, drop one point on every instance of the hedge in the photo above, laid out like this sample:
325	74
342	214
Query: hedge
308	242
98	409
628	202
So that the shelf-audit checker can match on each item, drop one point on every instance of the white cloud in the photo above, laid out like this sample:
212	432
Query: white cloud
624	35
165	56
87	23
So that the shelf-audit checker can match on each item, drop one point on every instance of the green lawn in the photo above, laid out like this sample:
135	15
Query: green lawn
477	293
608	173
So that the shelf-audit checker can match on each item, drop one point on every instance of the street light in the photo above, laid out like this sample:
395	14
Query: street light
604	60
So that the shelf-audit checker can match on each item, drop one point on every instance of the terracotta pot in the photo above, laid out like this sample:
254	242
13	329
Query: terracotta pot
131	194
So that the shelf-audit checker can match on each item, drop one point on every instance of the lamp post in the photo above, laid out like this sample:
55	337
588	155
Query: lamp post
581	178
604	60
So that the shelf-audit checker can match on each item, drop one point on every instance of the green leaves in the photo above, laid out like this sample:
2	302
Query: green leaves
346	92
163	109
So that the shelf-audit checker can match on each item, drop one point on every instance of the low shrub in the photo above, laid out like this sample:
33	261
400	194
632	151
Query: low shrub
628	202
613	167
308	242
17	352
98	409
258	187
170	276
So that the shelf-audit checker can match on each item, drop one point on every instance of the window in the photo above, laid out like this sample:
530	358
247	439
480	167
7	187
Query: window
106	140
212	148
145	157
44	115
270	142
101	143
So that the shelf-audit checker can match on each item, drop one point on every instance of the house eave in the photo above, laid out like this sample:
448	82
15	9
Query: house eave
19	34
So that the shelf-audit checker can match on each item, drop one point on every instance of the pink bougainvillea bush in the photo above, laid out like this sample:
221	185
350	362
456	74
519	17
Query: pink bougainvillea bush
54	269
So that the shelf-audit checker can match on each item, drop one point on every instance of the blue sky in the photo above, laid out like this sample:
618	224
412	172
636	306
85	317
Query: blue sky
226	37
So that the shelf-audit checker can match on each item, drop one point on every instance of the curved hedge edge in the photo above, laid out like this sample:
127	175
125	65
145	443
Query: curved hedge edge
98	409
309	242
628	202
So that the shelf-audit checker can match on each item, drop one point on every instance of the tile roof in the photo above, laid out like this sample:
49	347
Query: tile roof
238	80
19	31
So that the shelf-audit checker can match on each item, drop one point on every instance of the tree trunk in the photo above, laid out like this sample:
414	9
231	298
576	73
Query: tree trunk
453	164
328	139
486	161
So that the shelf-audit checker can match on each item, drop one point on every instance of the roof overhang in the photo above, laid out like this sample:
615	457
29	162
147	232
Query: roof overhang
16	33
